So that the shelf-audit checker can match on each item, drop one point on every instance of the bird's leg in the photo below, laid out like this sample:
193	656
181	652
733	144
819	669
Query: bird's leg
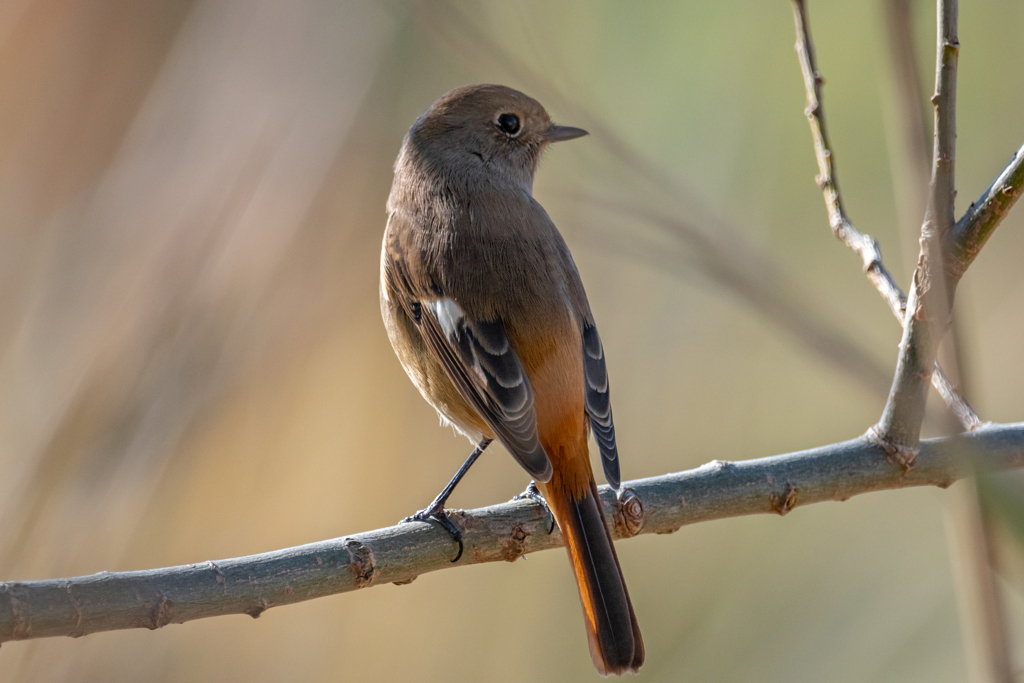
435	511
533	493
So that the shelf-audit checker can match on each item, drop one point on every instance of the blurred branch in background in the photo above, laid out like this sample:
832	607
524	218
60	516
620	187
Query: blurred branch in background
154	283
971	544
909	153
765	288
983	617
250	585
982	609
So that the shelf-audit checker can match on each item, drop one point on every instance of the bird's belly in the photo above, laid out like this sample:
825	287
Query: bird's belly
429	376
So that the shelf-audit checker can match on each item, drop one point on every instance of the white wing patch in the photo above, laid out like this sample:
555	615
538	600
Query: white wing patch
448	315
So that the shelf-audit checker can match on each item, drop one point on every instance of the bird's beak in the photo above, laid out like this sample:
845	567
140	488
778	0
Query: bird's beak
560	133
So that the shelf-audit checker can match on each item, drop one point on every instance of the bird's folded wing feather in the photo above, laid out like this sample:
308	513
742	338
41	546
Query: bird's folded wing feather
480	361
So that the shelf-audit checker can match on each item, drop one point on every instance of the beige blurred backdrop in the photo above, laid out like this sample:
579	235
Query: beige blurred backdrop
193	366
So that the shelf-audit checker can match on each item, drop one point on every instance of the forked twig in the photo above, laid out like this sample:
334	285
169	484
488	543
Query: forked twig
930	302
865	246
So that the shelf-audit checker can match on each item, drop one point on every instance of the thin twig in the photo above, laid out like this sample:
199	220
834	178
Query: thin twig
981	219
930	302
250	585
863	245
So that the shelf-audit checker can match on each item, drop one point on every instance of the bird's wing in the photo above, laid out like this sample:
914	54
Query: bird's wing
598	402
480	361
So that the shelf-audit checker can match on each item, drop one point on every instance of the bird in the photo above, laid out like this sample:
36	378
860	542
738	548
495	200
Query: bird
487	314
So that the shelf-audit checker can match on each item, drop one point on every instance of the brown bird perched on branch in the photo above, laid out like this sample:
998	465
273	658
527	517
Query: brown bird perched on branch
487	313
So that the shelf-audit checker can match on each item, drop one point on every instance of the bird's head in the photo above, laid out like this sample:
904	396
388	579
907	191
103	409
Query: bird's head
489	133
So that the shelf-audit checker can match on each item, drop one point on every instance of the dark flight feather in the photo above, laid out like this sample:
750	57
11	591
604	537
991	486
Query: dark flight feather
598	403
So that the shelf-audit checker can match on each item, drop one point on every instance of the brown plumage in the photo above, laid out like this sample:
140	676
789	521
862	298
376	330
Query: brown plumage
487	313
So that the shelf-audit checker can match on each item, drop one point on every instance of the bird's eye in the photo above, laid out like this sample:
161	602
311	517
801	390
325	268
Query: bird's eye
509	123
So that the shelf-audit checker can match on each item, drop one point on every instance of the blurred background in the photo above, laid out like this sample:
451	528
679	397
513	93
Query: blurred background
193	366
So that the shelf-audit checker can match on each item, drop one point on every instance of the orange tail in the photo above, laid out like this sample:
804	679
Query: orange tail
615	642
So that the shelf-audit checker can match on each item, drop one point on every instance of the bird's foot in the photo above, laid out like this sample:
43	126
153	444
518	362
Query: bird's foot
533	493
438	515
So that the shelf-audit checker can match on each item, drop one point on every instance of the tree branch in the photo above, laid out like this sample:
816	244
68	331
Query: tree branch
939	269
863	245
250	585
931	297
978	223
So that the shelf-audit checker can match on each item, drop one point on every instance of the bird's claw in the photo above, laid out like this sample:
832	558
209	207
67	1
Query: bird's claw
533	493
439	516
